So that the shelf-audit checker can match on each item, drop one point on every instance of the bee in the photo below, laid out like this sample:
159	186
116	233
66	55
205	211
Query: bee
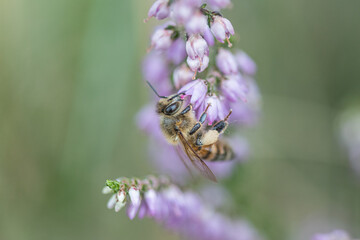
180	127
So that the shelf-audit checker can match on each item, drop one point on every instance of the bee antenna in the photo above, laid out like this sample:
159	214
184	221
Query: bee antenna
154	90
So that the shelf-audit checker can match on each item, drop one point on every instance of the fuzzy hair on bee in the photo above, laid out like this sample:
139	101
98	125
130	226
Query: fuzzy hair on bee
180	127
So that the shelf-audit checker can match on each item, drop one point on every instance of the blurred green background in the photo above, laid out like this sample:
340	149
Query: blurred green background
70	85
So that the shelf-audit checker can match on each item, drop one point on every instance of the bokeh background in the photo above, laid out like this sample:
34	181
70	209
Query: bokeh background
70	85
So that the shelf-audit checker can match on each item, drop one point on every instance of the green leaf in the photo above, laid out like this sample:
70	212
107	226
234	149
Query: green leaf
114	185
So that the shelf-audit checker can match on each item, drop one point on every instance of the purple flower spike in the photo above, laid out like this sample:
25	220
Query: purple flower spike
235	88
245	63
177	53
161	39
197	89
160	10
226	62
219	4
196	24
216	110
182	75
222	29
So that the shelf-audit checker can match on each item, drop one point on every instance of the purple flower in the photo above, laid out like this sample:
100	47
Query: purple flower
198	64
217	110
161	39
182	12
193	3
134	195
219	4
222	29
160	10
182	75
198	53
112	201
186	212
247	113
334	235
150	199
245	63
132	210
176	52
196	47
155	68
234	88
208	36
197	89
196	24
226	62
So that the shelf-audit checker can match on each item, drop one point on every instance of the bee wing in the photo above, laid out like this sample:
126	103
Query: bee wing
195	159
182	158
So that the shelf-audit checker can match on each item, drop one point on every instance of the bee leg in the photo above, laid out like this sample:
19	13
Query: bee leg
187	109
221	125
208	138
202	119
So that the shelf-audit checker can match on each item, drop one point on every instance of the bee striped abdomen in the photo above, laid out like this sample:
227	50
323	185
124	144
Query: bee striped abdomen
219	151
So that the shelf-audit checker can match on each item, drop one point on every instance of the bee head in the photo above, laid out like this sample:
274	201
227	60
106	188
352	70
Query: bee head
170	105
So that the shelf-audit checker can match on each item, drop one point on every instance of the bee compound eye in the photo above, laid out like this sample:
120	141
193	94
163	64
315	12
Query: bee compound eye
171	108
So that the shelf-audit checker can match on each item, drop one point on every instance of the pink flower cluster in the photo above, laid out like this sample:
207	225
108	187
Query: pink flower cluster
184	212
191	53
184	57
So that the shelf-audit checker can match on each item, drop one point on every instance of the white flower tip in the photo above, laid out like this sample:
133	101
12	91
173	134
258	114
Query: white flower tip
134	196
121	196
119	205
106	190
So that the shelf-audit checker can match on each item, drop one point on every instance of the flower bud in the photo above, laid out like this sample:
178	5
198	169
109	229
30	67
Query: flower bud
135	196
132	210
182	12
106	190
120	196
119	205
208	36
112	201
245	63
150	198
160	10
182	75
196	47
222	29
219	4
196	24
198	64
177	53
216	110
234	88
161	39
226	62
